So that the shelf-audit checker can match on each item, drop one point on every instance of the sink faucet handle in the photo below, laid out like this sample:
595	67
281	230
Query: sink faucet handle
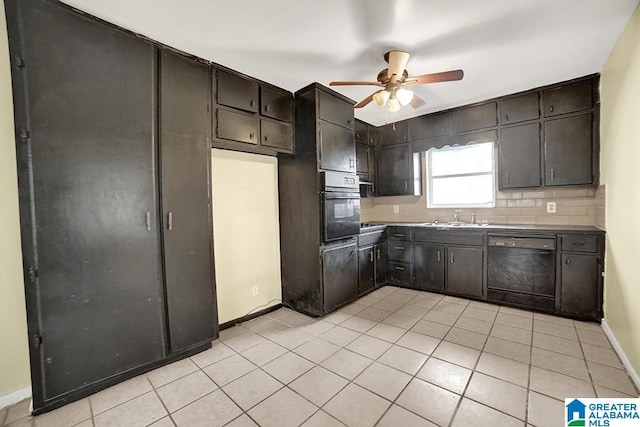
473	218
456	214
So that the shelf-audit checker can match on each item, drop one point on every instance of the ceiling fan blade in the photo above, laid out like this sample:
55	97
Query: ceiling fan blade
417	102
445	76
366	101
355	84
397	60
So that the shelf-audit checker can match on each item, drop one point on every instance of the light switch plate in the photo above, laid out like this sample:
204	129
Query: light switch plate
551	207
396	209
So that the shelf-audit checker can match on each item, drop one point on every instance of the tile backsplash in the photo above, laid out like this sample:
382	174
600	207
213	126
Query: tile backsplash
574	206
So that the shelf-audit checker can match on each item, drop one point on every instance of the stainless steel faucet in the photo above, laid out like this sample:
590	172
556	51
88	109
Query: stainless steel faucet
473	218
456	215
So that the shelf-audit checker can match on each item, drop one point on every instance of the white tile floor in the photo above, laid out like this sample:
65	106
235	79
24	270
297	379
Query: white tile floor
396	357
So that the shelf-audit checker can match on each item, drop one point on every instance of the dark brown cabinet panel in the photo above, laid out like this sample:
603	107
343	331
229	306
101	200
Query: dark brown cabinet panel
339	275
362	161
568	98
428	266
400	273
569	150
336	151
395	171
186	210
579	290
237	92
394	133
236	126
361	132
366	269
520	162
400	251
381	263
465	271
429	126
335	110
276	135
520	109
472	118
276	104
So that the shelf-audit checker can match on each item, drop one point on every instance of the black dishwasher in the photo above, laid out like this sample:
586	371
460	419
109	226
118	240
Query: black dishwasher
521	270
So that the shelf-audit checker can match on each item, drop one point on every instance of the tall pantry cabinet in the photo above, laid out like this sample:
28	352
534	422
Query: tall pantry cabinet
117	253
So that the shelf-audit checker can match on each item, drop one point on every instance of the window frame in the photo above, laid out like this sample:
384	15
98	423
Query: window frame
429	178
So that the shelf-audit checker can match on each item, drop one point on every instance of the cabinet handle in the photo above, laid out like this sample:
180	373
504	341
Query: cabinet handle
170	221
506	117
568	261
266	138
406	185
267	108
148	220
398	235
438	255
250	135
378	253
452	259
507	177
551	109
371	256
553	174
399	248
350	163
252	103
349	121
399	268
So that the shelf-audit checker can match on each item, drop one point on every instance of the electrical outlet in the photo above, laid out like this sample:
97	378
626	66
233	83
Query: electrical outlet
551	207
254	291
396	209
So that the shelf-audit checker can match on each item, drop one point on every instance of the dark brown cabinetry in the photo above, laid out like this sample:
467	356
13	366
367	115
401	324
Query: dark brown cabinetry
568	98
237	92
336	149
428	265
236	126
568	146
520	156
275	104
400	255
520	109
366	269
335	110
464	271
394	133
380	253
398	168
429	126
339	275
473	118
580	290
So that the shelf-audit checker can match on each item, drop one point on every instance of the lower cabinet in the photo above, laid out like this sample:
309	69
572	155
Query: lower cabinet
428	265
366	269
465	271
339	275
380	264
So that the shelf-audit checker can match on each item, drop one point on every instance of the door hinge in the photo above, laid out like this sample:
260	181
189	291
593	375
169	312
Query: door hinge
33	274
36	340
24	134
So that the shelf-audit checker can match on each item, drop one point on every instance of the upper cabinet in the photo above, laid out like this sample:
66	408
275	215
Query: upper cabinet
335	110
432	125
394	133
473	118
568	98
251	116
568	147
519	109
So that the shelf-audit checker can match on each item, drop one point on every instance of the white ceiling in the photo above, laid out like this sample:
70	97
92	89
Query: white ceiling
503	46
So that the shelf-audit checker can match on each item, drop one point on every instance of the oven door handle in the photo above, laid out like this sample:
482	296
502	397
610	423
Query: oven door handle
334	196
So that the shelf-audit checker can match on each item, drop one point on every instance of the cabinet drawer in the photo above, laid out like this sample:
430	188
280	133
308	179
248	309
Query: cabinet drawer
399	273
237	92
335	110
580	243
429	126
276	135
565	99
276	104
399	233
519	109
368	239
400	251
478	117
448	237
237	126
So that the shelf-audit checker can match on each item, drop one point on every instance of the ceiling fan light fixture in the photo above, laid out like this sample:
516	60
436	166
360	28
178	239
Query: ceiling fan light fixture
393	105
404	96
381	97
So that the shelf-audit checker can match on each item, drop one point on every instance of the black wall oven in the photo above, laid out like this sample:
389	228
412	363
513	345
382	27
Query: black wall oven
340	205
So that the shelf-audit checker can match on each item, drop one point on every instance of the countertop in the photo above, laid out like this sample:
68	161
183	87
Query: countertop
378	225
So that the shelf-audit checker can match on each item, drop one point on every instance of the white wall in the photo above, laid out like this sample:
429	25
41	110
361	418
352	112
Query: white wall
245	232
620	156
14	353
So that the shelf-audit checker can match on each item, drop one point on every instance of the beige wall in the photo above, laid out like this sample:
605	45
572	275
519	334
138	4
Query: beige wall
14	354
246	232
620	160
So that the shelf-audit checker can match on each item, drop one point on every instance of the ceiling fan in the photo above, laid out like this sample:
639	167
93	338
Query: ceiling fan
394	79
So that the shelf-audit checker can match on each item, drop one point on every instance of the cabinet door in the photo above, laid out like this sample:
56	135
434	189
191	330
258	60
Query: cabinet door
361	134
520	109
464	271
185	151
366	271
339	275
394	171
96	300
394	133
335	110
565	99
381	263
276	135
429	126
400	273
237	92
428	266
276	104
520	157
400	251
337	150
472	118
569	150
236	126
362	160
580	285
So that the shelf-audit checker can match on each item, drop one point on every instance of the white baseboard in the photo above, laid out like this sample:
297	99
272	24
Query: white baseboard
621	354
15	397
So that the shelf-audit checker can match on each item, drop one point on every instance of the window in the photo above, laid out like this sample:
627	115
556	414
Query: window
461	176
